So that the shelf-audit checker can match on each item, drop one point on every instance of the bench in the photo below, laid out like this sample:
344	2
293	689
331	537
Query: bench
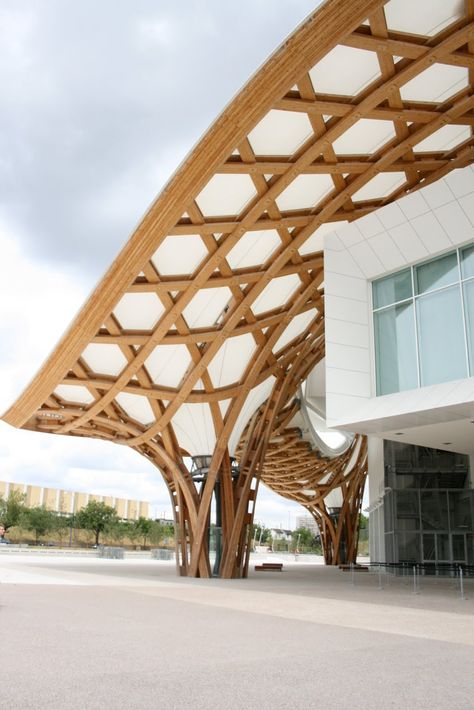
269	567
356	568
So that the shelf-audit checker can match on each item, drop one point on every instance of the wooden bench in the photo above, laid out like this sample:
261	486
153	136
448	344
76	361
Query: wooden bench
356	568
269	567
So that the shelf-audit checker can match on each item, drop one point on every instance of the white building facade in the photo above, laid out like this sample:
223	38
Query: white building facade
399	305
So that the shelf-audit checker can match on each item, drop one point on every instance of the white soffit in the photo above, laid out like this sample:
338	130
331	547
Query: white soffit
254	399
138	311
444	139
74	393
380	186
423	17
136	406
345	71
253	248
315	242
179	254
104	359
280	133
167	364
226	195
276	293
206	306
365	136
295	328
304	192
435	84
194	429
231	360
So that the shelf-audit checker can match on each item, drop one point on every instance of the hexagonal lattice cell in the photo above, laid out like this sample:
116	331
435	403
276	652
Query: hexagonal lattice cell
138	311
436	84
231	360
179	254
104	359
167	364
305	192
365	136
423	17
206	307
136	406
194	429
74	393
345	71
297	326
253	248
443	139
280	133
226	195
276	293
380	186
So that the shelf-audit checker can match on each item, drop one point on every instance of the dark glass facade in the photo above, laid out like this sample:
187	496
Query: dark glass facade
428	505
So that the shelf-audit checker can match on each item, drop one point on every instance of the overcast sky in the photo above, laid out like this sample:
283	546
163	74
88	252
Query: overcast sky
101	100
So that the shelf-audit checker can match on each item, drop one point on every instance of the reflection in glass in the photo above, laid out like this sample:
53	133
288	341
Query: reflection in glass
437	273
429	550
395	349
392	289
459	553
434	510
468	294
467	262
441	337
444	554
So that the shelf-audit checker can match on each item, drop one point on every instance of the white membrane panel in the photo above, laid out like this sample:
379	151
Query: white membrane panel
280	133
297	326
304	192
380	186
443	139
365	136
226	195
276	293
167	364
136	406
437	83
231	360
104	359
206	306
316	241
253	248
74	393
138	311
254	399
334	498
194	429
179	254
224	406
345	71
424	17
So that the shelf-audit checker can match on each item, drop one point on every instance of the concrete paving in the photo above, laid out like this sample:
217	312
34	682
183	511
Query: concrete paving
82	632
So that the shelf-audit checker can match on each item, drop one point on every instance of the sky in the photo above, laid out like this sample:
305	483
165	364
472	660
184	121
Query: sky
101	101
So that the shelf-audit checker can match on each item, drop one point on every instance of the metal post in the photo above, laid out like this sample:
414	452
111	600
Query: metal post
415	587
352	574
461	583
380	577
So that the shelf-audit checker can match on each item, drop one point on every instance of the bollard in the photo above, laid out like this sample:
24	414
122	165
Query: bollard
461	583
415	587
380	577
352	575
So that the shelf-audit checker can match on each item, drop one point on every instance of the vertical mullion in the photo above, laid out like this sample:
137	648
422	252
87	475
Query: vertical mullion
463	311
417	350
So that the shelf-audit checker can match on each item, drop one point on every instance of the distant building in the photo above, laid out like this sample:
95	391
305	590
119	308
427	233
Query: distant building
280	534
69	502
307	521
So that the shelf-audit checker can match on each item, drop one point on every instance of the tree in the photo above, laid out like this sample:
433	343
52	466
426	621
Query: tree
303	537
11	509
39	520
97	517
61	526
143	526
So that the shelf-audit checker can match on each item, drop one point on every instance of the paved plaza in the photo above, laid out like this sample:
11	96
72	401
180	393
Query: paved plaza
82	632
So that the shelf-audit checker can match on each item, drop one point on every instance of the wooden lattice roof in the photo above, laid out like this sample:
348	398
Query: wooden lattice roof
221	285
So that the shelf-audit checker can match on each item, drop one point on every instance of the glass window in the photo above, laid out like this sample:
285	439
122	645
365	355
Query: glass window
460	510
459	551
437	273
444	554
429	550
467	262
395	349
434	510
468	293
392	289
441	337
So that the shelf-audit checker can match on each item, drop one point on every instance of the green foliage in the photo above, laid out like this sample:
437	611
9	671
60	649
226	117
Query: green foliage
261	534
97	517
61	525
39	520
161	532
305	541
363	521
11	509
143	526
